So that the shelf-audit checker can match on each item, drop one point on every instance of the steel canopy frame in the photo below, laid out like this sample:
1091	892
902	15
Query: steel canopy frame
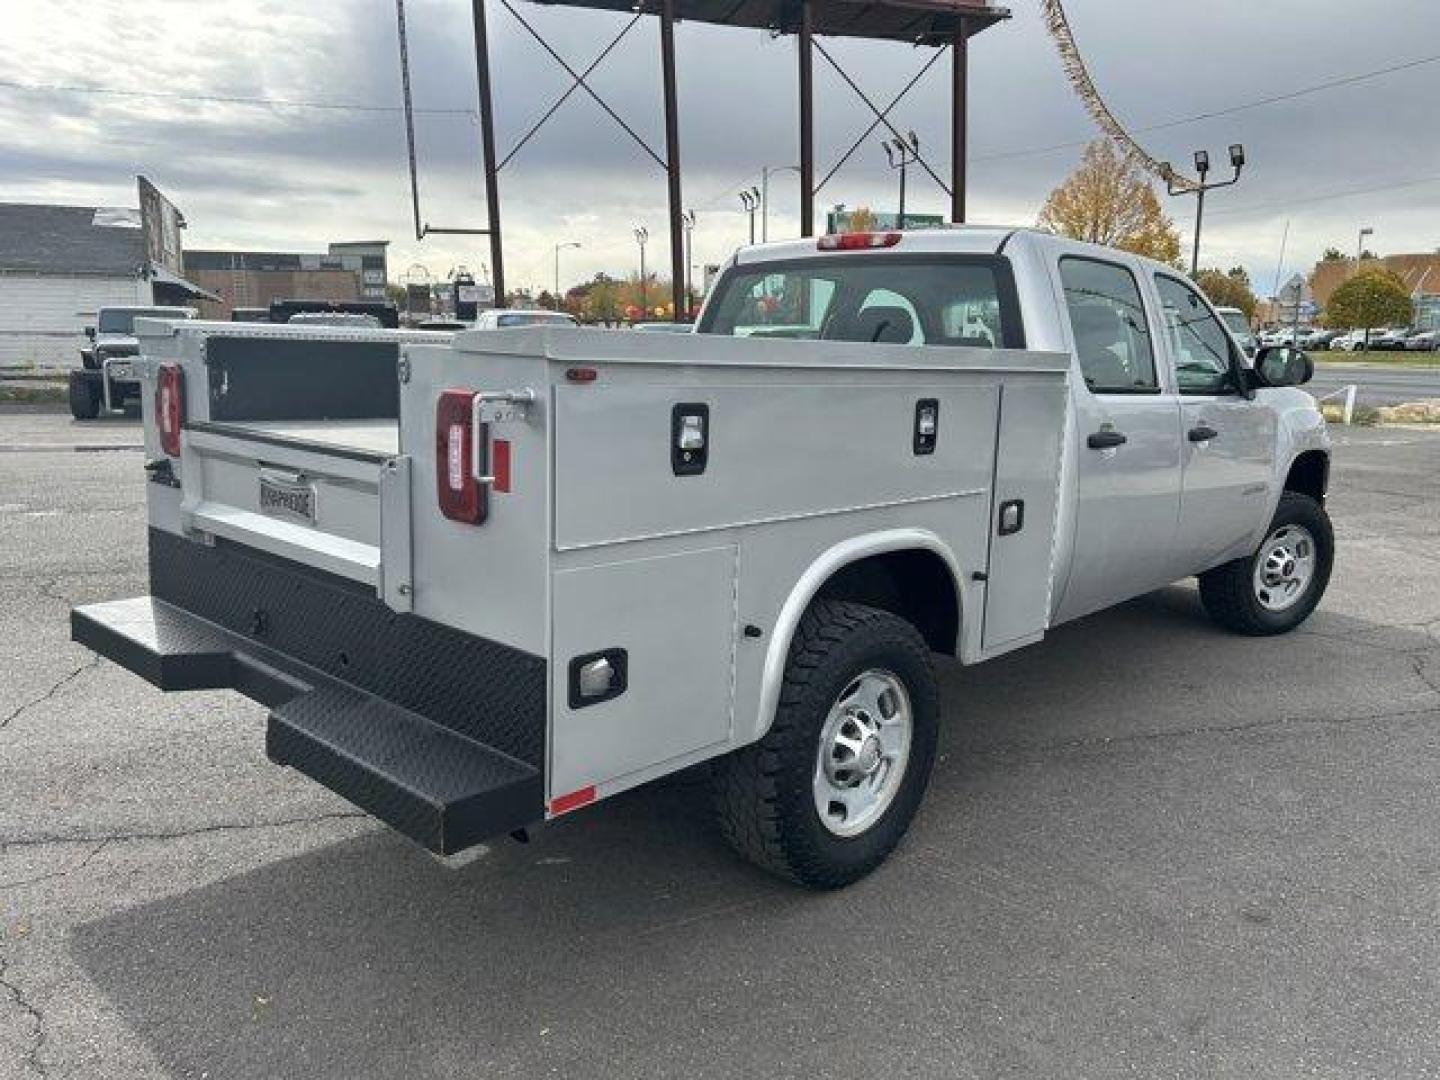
939	24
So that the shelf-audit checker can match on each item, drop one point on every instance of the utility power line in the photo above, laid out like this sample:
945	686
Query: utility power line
1229	110
221	99
1328	196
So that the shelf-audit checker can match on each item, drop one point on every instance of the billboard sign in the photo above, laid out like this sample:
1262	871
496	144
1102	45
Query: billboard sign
160	225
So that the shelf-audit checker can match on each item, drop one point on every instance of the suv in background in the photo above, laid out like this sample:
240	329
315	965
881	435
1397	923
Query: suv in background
107	377
1239	326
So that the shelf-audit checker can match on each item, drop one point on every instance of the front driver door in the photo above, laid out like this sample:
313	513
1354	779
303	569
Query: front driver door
1229	440
1127	452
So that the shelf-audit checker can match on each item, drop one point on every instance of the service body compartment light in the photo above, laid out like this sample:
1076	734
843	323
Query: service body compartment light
170	407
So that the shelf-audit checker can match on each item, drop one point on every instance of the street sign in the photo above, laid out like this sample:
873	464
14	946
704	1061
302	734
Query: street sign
838	221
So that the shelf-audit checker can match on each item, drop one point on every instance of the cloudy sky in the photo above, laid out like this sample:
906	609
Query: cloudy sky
95	91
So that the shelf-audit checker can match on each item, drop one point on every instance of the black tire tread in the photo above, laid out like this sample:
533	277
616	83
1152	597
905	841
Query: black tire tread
84	402
1226	590
750	798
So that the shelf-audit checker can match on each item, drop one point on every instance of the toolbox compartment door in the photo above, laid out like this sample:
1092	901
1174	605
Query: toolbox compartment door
674	617
1027	472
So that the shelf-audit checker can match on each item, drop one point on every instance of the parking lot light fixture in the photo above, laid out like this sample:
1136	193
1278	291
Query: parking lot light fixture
1177	186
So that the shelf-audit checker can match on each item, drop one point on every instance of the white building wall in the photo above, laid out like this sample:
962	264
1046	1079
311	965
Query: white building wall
43	317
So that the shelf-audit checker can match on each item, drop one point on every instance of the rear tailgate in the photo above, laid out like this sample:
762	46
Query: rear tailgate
334	497
290	445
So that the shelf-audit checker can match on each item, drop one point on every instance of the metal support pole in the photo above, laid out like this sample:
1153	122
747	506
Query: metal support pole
903	164
959	116
807	119
765	205
487	146
672	160
1199	217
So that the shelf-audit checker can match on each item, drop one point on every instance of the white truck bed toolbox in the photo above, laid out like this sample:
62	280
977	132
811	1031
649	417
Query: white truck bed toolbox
435	732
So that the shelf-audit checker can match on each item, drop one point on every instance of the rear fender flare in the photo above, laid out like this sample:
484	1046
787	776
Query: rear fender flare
813	580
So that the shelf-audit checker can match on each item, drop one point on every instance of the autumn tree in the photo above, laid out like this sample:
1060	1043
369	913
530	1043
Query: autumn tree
1107	200
1371	298
861	219
1230	289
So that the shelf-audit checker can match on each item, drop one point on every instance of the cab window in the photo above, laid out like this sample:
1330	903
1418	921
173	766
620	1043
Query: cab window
1198	342
928	299
1107	319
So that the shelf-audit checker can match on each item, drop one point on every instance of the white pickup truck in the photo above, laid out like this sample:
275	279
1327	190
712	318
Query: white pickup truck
484	581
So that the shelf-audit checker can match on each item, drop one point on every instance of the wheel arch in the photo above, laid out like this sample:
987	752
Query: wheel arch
895	570
1309	474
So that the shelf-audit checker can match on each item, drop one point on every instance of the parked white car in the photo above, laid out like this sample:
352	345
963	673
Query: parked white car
510	318
487	581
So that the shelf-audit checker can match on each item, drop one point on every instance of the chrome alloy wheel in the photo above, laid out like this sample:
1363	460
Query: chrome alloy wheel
864	747
1284	568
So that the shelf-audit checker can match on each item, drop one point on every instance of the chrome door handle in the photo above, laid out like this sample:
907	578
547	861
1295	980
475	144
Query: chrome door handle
1202	433
1105	440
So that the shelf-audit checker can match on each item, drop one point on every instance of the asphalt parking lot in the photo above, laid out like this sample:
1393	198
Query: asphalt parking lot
1150	849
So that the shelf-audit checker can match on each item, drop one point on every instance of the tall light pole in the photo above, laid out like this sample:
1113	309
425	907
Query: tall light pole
1202	166
765	196
901	153
558	247
687	220
750	202
1360	245
642	234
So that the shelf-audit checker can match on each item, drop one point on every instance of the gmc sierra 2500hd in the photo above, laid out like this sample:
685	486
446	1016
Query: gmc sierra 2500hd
486	580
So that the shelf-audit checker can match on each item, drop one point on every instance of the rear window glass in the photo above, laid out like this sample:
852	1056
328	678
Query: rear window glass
910	301
533	318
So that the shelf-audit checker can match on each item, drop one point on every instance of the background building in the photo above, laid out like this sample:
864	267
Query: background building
353	270
1420	272
60	264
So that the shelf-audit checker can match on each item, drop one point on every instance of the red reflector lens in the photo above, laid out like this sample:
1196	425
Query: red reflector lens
462	497
563	804
500	464
857	241
169	408
580	374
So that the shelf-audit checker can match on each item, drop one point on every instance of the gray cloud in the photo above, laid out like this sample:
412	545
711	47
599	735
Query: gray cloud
300	177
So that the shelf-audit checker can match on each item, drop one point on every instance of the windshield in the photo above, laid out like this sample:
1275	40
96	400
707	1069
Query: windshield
1238	324
122	320
921	300
533	318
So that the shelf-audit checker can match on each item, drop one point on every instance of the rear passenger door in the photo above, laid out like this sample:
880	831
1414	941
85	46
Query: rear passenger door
1229	442
1127	434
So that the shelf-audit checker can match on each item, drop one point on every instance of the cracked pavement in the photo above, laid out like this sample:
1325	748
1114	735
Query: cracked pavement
1150	848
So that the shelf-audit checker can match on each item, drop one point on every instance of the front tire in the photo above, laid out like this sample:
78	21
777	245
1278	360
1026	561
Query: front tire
831	789
84	396
1275	589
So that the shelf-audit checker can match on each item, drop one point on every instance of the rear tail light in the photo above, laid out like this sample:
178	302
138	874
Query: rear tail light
170	407
857	241
462	496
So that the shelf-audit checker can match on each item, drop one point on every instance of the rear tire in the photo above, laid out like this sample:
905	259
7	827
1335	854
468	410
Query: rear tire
84	396
1275	589
859	684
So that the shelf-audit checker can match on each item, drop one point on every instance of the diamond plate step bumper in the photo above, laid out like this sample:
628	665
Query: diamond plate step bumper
438	786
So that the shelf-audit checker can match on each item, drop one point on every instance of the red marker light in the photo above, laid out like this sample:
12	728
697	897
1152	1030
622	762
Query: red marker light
170	407
857	241
462	497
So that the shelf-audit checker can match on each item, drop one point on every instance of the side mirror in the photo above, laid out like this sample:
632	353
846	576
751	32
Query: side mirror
90	332
1283	365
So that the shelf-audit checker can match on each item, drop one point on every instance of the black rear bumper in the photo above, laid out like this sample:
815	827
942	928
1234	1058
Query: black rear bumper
437	733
